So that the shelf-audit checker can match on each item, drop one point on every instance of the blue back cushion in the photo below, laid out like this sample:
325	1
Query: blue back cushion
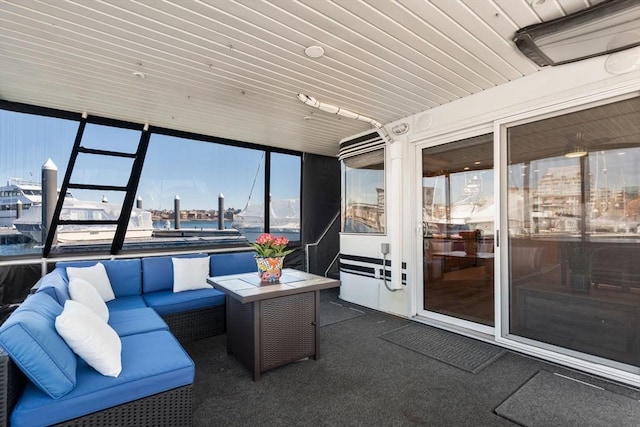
29	336
125	275
157	272
233	263
56	285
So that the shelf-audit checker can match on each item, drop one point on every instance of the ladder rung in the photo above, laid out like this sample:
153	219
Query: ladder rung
88	222
106	152
96	187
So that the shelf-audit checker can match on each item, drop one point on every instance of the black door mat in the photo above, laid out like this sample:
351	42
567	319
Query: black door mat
549	399
455	350
333	312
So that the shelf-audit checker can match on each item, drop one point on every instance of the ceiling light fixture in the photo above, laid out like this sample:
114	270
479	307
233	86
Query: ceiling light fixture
605	28
140	74
576	149
401	128
314	52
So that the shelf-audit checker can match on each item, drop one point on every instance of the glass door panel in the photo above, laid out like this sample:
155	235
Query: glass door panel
458	229
573	207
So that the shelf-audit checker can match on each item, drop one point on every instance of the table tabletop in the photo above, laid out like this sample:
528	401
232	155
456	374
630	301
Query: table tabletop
247	287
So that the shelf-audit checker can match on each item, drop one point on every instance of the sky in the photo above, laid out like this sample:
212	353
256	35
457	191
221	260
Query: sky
196	172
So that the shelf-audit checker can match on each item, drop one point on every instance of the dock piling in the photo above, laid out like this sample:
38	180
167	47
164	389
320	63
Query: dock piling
221	212
176	212
49	196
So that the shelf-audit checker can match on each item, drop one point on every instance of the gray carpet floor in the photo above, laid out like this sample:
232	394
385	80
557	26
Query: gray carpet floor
337	311
551	399
361	379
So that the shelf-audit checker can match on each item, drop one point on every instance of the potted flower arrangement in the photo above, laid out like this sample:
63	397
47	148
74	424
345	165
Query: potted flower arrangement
271	251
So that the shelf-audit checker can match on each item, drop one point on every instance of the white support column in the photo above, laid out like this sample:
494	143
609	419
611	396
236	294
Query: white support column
394	191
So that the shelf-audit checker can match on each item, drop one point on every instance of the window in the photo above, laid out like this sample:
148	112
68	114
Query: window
363	193
284	186
195	174
28	142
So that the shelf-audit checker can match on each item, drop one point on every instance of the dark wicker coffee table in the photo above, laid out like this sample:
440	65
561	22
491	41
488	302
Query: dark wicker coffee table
269	325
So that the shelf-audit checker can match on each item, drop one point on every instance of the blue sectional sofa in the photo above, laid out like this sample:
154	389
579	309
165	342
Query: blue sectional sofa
44	382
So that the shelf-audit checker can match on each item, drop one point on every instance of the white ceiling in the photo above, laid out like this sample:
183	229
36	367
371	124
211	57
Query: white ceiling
233	68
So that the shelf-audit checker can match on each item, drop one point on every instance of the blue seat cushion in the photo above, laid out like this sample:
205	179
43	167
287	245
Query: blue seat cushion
232	263
29	336
168	302
157	272
125	275
152	363
136	321
126	303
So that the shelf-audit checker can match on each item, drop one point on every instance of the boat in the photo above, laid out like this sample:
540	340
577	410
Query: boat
30	222
284	217
140	222
17	191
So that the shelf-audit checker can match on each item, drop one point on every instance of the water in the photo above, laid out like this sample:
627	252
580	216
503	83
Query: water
19	249
213	225
197	225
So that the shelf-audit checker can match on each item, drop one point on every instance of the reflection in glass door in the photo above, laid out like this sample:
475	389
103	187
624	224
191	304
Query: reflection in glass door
458	229
574	232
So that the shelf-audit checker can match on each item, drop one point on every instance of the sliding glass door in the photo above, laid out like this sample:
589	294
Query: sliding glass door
573	210
458	230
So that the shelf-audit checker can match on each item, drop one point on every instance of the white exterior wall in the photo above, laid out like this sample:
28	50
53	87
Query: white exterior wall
566	85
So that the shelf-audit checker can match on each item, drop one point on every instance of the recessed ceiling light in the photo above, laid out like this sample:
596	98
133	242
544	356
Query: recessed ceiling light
467	168
476	163
314	52
140	74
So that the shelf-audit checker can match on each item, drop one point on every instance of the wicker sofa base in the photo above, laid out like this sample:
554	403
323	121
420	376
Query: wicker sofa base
170	408
197	324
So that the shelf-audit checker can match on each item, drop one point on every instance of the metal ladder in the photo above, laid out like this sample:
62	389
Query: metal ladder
129	190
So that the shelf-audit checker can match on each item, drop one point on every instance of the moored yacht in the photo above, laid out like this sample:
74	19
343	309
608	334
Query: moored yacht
140	222
17	191
284	217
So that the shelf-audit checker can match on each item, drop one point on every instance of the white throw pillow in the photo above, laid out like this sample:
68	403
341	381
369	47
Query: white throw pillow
97	276
83	292
190	273
90	338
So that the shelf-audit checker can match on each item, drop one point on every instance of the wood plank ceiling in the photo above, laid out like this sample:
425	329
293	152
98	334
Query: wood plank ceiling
233	68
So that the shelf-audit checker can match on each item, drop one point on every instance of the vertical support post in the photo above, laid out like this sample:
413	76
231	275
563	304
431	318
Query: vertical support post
49	196
394	213
176	212
267	192
221	212
18	209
